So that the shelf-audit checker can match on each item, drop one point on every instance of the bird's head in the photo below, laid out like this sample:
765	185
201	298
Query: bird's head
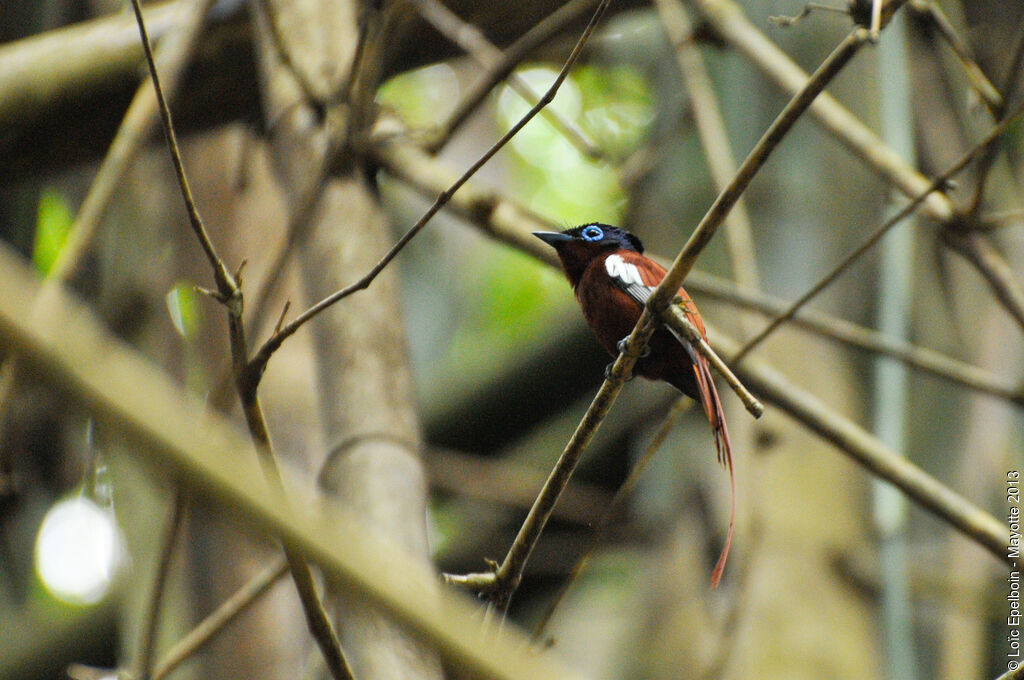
577	247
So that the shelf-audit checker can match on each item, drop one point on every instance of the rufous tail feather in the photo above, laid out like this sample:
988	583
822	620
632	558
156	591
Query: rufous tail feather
716	417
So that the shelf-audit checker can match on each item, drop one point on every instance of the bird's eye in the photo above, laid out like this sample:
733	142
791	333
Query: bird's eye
593	233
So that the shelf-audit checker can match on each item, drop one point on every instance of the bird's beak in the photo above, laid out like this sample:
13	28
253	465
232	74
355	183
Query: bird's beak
552	238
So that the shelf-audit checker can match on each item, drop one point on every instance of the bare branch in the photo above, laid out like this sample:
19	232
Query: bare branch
825	325
705	230
473	42
625	490
937	184
869	452
225	283
230	294
676	320
553	24
263	355
219	618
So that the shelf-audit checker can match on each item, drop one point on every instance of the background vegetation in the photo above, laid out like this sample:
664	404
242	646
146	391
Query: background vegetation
433	403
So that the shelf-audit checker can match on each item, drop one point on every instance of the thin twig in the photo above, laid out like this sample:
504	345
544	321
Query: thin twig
230	294
676	320
219	618
679	407
259	360
979	251
1009	94
225	282
869	452
876	19
937	184
146	643
705	230
540	33
984	88
788	21
840	330
475	43
503	219
284	54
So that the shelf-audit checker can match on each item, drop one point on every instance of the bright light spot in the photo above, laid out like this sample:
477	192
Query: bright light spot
539	143
77	551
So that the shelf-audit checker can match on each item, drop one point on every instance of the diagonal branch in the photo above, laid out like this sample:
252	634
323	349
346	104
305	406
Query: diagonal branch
502	583
853	335
258	363
550	26
486	54
220	617
510	223
937	184
984	88
869	452
709	224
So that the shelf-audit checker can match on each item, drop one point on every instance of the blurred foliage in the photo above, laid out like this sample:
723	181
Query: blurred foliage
184	309
508	298
53	222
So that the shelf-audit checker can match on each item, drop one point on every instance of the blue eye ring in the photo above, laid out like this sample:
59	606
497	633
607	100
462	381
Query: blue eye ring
592	233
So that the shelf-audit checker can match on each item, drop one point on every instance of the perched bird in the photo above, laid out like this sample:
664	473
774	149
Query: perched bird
612	280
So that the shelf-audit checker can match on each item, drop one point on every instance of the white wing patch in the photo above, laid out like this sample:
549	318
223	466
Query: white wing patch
626	273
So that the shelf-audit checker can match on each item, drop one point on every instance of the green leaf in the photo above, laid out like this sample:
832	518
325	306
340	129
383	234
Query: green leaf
183	306
53	222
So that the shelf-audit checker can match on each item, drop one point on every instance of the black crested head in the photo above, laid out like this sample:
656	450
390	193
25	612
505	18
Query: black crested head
606	235
578	246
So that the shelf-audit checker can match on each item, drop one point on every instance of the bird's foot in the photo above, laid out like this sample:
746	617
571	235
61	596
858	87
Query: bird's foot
608	373
621	345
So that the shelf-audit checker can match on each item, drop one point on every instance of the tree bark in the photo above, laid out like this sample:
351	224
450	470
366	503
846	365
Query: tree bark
365	386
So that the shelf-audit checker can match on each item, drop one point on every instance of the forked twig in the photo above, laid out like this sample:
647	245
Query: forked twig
230	294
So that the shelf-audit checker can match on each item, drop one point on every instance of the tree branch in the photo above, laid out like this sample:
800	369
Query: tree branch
259	360
69	347
229	293
219	618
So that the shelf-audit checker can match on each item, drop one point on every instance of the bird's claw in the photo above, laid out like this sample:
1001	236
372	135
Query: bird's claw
621	346
608	373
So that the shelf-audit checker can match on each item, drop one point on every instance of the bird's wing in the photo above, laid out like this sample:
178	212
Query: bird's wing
637	276
629	277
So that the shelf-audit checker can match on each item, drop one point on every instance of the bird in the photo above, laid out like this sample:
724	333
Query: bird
612	280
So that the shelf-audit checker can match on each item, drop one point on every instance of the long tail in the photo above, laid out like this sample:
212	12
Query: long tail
716	417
